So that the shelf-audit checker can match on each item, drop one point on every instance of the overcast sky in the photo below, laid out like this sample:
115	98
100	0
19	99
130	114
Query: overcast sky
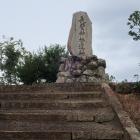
44	22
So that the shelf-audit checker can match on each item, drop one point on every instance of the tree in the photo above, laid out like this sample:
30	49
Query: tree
30	71
134	25
11	53
42	65
20	66
112	78
136	76
52	56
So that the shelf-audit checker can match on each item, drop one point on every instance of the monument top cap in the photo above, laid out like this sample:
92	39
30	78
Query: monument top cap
80	12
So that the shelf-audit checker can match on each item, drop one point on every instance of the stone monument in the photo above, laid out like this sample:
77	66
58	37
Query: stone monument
81	65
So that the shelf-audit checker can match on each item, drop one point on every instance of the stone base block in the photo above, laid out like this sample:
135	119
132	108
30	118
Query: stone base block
81	69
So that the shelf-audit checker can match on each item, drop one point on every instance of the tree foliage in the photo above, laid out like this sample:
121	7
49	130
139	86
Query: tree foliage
134	25
52	57
20	66
30	70
112	78
42	65
11	53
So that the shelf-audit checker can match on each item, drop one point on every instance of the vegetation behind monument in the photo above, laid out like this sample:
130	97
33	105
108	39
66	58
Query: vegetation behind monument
20	66
134	25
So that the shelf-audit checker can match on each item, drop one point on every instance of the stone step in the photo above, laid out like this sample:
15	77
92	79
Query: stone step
93	115
52	104
53	87
49	95
65	131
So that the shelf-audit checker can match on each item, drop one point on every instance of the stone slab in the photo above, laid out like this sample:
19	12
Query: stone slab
80	36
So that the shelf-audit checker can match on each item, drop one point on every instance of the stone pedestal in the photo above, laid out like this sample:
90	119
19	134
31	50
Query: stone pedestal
81	69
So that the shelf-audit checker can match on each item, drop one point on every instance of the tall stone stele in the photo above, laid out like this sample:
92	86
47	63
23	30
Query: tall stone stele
80	37
81	65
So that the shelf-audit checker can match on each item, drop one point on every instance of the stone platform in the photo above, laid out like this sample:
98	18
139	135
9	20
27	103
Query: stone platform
76	111
81	69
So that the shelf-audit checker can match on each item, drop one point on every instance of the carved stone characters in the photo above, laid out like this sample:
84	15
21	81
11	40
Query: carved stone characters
80	37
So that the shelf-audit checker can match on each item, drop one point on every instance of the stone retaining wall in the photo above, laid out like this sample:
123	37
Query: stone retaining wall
126	122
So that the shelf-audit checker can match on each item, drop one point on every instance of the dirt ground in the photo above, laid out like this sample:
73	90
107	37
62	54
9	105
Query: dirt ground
131	104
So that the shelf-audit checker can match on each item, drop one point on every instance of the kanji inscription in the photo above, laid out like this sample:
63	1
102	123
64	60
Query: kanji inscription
80	37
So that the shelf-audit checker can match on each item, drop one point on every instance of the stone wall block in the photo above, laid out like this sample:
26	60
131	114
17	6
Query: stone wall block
62	60
92	65
64	74
101	71
88	72
93	79
76	72
62	67
83	78
101	62
60	79
69	81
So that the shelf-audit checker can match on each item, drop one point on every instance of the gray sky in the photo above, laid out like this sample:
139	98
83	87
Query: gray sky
44	22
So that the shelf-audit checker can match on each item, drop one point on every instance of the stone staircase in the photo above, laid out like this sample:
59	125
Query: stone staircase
58	112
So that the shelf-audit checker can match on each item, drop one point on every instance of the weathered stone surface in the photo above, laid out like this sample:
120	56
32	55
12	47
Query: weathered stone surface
107	133
94	57
72	111
83	78
62	60
101	71
101	62
62	67
93	79
80	37
92	65
76	65
69	81
60	79
85	117
88	72
79	66
123	116
76	72
65	74
104	116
